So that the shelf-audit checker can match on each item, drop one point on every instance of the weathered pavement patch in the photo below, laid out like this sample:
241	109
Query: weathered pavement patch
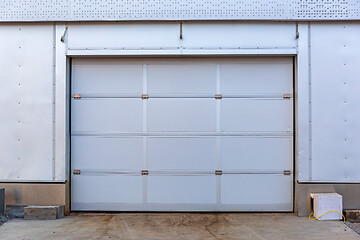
354	226
4	218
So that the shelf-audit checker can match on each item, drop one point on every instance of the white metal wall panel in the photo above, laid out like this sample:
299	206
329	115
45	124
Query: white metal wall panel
26	102
174	134
127	36
62	103
239	35
89	10
302	109
335	102
173	38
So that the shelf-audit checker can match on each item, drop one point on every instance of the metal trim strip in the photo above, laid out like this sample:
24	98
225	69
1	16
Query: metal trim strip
185	134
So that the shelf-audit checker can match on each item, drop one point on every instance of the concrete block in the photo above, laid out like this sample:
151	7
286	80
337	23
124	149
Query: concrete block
60	211
43	212
2	200
352	215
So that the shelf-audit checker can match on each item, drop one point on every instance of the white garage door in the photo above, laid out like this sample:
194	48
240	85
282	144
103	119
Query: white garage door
182	134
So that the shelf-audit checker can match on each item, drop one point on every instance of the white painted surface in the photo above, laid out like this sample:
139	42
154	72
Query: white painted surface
90	189
165	37
102	10
181	153
261	115
26	102
182	189
243	153
62	102
123	36
239	35
244	76
258	192
183	52
182	134
303	106
182	115
335	102
185	78
324	202
319	76
106	115
107	153
105	78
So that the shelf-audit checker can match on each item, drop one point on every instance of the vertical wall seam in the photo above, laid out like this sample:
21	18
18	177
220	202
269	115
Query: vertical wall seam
53	101
310	102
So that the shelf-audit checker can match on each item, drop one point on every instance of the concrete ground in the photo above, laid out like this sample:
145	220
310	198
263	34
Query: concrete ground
354	226
169	226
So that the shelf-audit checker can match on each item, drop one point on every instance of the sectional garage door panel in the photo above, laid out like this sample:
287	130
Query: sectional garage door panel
256	154
182	115
252	76
107	153
256	115
181	153
258	192
180	78
182	134
108	77
97	192
107	115
182	190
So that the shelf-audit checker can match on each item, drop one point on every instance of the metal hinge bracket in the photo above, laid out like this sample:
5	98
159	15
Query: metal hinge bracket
144	96
297	31
218	172
181	31
144	172
64	35
218	96
287	96
77	172
287	172
77	96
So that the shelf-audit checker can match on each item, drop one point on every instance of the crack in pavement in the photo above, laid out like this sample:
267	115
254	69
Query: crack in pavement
207	227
